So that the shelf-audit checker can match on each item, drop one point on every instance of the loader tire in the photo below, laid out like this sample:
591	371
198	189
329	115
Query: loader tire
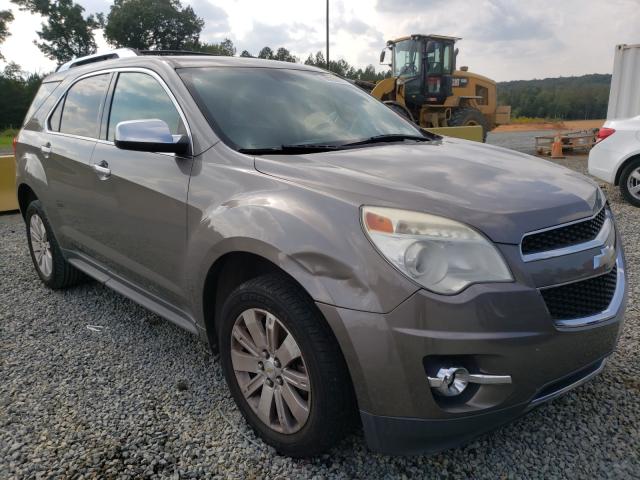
468	116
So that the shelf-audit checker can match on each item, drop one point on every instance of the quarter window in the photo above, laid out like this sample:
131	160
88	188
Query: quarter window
139	96
54	120
81	110
45	90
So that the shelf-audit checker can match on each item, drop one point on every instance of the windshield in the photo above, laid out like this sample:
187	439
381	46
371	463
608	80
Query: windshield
406	59
261	108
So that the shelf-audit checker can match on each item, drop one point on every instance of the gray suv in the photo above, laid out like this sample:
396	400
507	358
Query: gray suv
350	268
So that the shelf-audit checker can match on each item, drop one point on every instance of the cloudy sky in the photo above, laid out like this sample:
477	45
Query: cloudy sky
503	39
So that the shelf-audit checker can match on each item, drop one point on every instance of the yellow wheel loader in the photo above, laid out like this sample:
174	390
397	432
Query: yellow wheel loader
426	87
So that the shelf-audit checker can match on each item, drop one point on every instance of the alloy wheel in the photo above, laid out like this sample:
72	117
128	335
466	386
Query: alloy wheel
40	245
633	183
271	371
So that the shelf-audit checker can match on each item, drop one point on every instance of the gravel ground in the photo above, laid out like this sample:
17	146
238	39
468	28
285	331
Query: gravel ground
521	141
142	398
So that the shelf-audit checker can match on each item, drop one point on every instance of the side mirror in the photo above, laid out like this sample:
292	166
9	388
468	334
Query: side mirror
149	136
383	54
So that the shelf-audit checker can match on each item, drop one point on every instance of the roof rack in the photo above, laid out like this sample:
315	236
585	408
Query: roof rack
172	52
121	53
98	57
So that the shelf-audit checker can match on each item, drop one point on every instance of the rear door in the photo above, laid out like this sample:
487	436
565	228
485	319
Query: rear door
70	136
140	219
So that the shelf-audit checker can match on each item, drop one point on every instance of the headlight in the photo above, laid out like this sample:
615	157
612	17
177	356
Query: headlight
442	255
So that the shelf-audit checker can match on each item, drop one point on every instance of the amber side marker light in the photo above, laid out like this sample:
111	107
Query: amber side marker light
378	223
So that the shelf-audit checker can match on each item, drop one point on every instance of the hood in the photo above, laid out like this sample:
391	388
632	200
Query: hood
502	193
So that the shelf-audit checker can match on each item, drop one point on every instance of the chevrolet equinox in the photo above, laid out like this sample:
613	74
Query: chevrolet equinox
350	268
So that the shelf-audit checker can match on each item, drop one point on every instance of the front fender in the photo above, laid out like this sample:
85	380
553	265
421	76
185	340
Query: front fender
315	238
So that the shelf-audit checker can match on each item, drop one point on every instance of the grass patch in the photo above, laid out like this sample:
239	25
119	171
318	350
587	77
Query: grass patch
6	137
525	120
5	141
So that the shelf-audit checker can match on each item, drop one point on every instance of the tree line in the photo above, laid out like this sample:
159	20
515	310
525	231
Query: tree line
565	98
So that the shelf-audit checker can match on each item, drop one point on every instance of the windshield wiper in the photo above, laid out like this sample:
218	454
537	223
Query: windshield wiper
291	149
320	147
393	137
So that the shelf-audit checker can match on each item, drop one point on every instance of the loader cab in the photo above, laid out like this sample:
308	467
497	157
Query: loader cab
426	64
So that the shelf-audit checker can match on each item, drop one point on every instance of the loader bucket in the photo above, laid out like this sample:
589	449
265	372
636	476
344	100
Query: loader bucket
472	132
8	197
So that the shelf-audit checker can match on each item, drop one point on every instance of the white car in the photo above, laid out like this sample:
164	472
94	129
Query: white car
615	158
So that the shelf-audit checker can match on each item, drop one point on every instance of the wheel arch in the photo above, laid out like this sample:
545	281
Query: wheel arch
623	165
25	196
227	273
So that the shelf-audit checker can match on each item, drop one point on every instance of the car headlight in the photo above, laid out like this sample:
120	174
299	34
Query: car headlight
442	255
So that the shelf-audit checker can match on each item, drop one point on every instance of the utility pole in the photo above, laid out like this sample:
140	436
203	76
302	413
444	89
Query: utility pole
327	34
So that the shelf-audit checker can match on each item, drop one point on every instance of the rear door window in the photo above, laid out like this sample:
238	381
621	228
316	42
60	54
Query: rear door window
82	106
139	96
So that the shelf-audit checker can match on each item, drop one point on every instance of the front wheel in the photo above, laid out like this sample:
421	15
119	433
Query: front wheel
284	368
630	182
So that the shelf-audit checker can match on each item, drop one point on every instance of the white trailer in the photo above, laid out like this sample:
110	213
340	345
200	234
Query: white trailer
624	97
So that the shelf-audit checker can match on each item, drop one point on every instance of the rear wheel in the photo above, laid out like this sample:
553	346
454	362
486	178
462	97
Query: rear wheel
51	266
284	367
630	182
469	116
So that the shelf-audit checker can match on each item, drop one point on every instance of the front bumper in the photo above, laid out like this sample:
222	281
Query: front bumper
497	329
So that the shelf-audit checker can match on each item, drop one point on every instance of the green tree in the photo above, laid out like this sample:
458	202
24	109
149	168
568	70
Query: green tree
18	90
224	48
6	17
284	55
564	98
66	33
266	53
344	69
152	25
228	48
245	53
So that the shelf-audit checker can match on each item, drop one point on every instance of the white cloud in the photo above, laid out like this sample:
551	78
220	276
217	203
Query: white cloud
503	39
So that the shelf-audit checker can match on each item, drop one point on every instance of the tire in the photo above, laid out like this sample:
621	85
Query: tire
630	179
465	116
329	401
51	266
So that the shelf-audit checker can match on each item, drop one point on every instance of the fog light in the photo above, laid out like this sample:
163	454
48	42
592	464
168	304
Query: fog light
450	382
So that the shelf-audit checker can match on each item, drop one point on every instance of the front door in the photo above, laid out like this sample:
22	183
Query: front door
142	196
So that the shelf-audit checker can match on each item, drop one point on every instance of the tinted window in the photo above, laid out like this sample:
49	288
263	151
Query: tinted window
269	107
139	96
81	111
44	91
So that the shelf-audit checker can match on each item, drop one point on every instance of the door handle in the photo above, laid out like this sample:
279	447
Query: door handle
46	150
102	169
